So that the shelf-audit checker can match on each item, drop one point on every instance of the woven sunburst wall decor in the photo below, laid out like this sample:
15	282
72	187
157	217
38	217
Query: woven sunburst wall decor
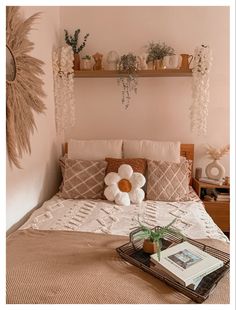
24	91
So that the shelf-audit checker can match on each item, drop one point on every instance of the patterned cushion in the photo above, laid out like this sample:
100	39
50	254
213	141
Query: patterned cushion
167	181
137	164
83	179
190	167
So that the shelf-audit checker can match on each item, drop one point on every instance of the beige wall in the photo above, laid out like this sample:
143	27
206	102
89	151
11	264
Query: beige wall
161	109
38	180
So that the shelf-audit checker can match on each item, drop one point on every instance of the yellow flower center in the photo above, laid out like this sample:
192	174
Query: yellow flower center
124	185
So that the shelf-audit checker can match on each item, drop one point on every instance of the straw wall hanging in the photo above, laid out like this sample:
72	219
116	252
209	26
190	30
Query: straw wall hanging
24	90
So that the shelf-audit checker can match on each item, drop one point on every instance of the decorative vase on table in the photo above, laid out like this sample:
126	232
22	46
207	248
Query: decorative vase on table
215	164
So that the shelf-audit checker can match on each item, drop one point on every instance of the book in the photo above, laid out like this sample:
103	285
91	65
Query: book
211	181
222	199
192	286
185	263
221	194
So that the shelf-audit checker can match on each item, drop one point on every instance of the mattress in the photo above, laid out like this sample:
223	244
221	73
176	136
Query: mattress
102	216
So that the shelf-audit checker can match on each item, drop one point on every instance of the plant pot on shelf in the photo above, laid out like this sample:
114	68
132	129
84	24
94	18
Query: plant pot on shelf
86	64
149	246
76	61
158	64
150	65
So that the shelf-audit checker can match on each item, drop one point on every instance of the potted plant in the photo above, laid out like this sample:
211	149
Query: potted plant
128	66
86	63
156	53
153	239
73	41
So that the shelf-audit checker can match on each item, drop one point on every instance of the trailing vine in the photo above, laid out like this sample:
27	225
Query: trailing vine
128	65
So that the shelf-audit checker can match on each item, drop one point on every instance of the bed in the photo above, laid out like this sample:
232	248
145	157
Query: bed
65	252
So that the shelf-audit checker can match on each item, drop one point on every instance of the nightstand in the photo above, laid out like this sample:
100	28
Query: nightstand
218	210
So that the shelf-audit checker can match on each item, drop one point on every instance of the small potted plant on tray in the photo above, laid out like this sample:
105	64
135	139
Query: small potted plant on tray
153	239
156	53
73	41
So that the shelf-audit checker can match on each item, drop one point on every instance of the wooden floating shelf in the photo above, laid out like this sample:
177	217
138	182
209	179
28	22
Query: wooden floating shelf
141	73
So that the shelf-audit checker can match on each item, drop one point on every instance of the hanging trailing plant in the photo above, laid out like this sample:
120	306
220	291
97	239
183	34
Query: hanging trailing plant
199	108
128	66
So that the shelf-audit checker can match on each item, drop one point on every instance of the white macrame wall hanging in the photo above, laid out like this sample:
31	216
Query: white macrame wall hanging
63	88
199	109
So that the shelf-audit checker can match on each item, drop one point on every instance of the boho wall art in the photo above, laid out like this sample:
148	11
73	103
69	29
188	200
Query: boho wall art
199	109
63	74
24	90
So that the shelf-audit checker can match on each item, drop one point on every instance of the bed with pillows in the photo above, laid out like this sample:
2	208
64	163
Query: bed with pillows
65	252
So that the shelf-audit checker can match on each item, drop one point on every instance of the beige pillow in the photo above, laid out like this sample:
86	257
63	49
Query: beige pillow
83	179
94	149
152	150
167	181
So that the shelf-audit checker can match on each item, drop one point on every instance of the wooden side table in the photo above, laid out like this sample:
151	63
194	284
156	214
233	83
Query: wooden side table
218	210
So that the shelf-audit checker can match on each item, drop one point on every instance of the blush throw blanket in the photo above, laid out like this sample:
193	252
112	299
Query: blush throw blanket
63	267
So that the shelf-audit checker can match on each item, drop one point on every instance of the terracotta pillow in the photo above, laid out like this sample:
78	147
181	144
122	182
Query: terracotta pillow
137	164
83	179
167	181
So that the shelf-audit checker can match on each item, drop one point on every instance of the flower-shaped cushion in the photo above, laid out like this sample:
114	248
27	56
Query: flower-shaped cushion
125	186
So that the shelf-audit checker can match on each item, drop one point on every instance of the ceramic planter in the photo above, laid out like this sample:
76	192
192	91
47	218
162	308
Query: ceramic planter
149	246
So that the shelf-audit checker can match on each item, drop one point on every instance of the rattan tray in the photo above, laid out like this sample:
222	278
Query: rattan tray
133	253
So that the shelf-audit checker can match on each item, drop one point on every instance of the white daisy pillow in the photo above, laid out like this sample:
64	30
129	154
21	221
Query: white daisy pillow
124	187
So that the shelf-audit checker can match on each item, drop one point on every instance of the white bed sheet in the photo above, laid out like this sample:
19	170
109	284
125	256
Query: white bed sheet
101	216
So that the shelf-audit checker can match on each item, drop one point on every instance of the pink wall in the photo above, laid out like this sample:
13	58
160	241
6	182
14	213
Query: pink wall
160	111
38	180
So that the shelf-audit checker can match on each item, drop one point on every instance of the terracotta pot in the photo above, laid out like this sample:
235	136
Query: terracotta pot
149	246
76	61
158	63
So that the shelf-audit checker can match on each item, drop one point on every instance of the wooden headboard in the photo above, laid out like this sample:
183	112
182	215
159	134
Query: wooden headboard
186	150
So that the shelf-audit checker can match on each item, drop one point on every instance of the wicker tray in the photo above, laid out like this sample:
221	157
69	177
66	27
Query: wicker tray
133	253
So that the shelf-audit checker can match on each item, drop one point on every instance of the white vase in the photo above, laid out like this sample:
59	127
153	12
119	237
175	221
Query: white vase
215	165
112	60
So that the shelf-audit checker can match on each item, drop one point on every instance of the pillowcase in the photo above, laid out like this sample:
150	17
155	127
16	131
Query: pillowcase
167	181
137	164
83	179
94	149
152	150
190	167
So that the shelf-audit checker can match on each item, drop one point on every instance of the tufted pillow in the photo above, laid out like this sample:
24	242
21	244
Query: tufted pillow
167	181
83	179
137	164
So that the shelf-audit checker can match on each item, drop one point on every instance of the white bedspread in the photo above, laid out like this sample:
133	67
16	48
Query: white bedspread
101	216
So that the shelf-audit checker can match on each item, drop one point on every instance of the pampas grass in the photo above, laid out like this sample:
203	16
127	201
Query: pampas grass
215	153
25	92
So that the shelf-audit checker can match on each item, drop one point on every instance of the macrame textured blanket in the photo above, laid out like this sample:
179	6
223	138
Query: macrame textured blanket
102	216
64	267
